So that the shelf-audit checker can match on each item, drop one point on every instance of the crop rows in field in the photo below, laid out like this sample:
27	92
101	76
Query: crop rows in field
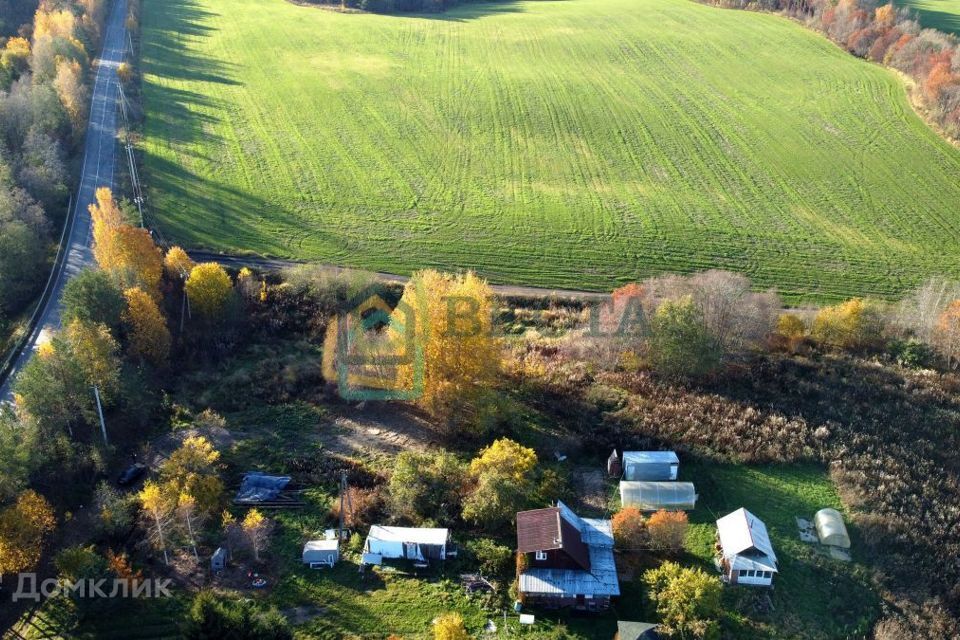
576	144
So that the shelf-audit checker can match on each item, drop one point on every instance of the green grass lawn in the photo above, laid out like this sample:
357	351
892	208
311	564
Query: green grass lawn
936	14
814	597
579	143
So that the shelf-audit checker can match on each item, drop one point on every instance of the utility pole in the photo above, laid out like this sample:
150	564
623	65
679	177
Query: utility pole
103	424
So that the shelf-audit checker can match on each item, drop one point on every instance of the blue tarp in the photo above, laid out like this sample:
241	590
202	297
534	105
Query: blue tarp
259	487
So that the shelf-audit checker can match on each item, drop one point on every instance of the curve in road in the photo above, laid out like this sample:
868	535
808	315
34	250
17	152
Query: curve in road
98	171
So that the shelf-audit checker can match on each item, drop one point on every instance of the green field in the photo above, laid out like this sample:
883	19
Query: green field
575	143
936	14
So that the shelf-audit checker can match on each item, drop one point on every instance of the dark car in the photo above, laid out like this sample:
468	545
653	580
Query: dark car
133	473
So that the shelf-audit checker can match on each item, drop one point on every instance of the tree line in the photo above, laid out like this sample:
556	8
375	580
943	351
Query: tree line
888	35
44	99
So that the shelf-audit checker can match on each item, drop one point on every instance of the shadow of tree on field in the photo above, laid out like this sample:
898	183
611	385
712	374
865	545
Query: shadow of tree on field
167	53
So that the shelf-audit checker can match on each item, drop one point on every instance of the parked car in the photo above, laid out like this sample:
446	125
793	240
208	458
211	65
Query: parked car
132	474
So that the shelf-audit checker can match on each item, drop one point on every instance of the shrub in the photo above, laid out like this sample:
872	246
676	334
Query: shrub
854	324
688	600
212	617
680	344
493	559
667	530
630	529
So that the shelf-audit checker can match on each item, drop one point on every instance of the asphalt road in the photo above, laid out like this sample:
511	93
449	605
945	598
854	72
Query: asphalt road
99	159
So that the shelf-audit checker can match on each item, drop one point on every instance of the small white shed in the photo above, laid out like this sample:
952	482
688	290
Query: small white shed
657	466
321	553
410	543
747	556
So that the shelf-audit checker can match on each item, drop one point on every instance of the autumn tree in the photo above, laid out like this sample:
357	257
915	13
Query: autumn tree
256	529
147	333
24	529
630	529
73	93
449	626
127	253
96	353
502	481
177	264
209	289
854	324
158	509
687	600
55	388
946	336
453	329
194	469
189	515
667	530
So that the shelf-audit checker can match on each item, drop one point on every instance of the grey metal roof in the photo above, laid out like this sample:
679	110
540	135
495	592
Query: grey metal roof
600	580
592	531
650	496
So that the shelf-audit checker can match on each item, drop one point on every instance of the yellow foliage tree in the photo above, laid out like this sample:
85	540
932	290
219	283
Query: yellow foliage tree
24	527
148	335
449	626
95	352
193	469
209	289
256	529
852	324
127	253
53	24
177	263
453	317
124	72
885	15
505	458
157	506
73	93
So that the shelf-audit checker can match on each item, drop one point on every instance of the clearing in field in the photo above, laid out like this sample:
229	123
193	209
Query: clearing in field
581	144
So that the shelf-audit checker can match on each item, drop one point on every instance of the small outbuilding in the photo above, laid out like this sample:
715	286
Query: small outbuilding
746	554
653	496
614	467
657	466
830	528
218	561
321	553
410	543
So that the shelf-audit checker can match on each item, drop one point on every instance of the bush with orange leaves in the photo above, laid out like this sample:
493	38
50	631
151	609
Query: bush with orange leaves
667	530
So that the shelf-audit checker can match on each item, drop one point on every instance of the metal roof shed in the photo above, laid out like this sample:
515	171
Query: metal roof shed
650	465
830	528
653	496
321	552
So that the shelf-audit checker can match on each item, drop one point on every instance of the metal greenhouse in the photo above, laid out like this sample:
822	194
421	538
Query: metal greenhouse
830	528
652	496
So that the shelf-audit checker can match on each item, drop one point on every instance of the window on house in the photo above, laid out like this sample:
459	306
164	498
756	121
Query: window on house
541	555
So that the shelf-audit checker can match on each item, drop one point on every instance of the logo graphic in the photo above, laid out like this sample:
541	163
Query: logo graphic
377	350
